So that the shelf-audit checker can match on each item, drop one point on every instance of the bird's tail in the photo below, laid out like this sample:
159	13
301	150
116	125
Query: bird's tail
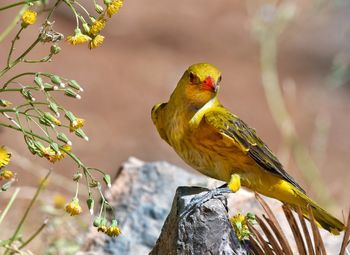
322	217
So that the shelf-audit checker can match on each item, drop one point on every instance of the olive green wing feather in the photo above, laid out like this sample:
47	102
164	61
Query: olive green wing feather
230	125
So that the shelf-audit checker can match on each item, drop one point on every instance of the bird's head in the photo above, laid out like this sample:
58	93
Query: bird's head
200	83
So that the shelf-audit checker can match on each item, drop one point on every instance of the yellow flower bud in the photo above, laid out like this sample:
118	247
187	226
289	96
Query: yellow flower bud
5	103
28	18
113	231
73	208
6	174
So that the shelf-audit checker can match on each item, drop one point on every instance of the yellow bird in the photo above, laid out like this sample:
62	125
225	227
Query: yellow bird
212	140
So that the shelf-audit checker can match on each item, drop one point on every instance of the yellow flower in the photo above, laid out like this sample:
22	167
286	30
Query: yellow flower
97	26
78	38
113	231
76	124
53	156
5	156
47	152
73	208
59	201
65	148
96	42
6	174
28	18
240	218
239	224
114	7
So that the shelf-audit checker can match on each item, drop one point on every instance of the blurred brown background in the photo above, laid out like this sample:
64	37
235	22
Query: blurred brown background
148	46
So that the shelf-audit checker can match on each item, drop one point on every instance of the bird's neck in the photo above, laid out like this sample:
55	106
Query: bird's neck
186	109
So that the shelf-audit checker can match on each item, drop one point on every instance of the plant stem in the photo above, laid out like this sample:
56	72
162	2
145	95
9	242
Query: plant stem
74	11
12	25
13	45
36	233
9	204
16	61
280	114
16	4
75	158
20	58
20	224
17	90
17	76
43	60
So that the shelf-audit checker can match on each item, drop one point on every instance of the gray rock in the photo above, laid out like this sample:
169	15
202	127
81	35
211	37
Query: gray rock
204	230
142	196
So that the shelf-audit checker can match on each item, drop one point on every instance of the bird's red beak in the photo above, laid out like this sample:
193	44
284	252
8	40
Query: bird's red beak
209	84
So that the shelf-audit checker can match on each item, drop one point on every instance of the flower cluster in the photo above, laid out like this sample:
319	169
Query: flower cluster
240	226
91	32
102	226
52	153
36	113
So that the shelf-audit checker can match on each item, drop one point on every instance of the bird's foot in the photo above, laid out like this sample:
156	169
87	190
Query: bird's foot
197	201
233	186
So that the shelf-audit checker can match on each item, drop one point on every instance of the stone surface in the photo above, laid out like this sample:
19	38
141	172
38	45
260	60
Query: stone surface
203	230
142	196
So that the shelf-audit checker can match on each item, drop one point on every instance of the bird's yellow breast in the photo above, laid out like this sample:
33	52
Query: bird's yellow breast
207	151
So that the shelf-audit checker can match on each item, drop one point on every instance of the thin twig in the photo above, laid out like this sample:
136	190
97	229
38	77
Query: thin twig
13	45
36	233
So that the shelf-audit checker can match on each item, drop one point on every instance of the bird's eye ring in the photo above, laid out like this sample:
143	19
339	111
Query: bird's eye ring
193	78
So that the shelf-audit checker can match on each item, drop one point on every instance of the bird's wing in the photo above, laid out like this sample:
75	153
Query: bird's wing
230	125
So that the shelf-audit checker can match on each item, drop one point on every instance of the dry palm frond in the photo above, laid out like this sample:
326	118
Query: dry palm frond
272	239
346	239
